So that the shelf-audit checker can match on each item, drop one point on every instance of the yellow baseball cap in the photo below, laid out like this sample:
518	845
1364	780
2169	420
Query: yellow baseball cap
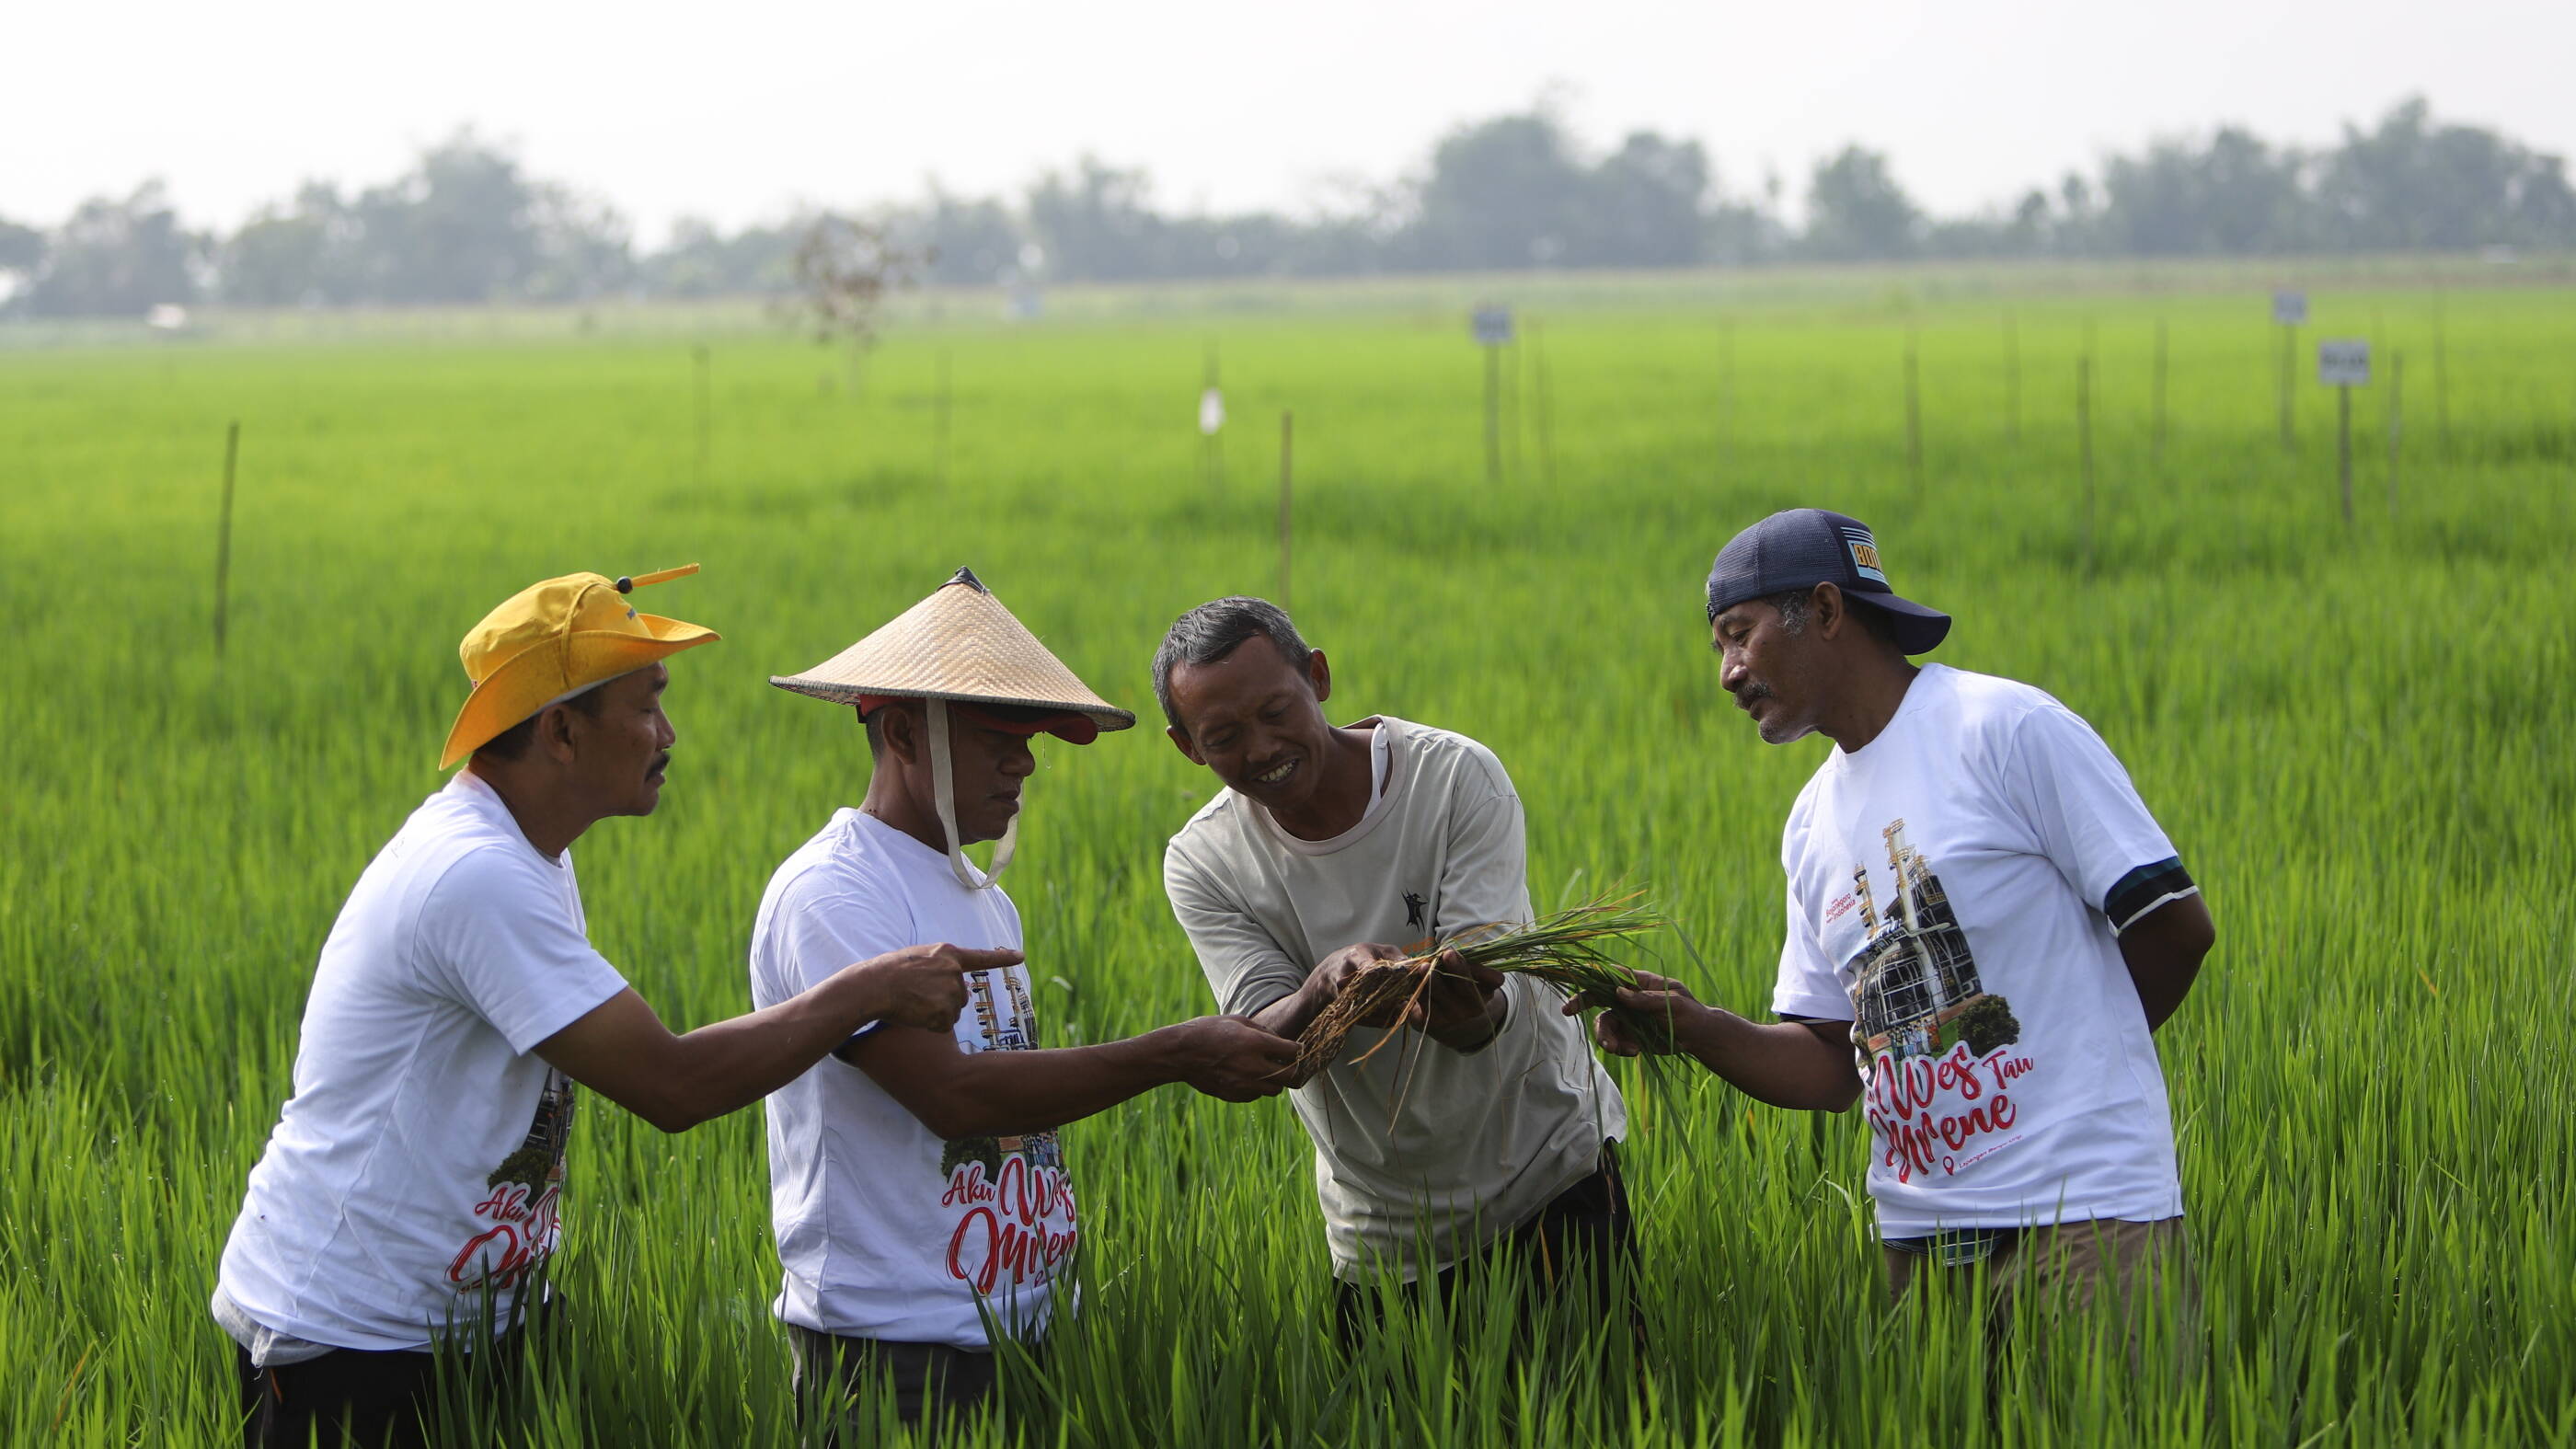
552	641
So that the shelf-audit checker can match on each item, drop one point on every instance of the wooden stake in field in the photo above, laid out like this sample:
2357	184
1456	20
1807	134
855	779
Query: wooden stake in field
1913	414
1493	333
1546	398
2084	441
2441	383
698	359
1287	455
1493	415
224	536
939	424
1725	397
2343	447
2289	385
2156	448
2343	366
2396	422
2012	377
1512	413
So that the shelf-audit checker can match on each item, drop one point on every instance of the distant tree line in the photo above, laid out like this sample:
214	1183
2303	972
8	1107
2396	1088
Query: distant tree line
467	223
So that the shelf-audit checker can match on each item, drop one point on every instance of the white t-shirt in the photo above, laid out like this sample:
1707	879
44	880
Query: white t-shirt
1954	889
884	1230
419	1163
1465	1145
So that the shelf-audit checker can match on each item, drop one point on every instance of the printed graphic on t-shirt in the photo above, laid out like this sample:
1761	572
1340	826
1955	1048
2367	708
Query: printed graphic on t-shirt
1013	1200
1935	1048
522	1208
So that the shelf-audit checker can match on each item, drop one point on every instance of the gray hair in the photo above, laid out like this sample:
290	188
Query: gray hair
1793	606
1216	629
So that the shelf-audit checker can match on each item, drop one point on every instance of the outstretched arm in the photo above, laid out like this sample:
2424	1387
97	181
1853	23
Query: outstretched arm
1798	1064
621	1050
995	1093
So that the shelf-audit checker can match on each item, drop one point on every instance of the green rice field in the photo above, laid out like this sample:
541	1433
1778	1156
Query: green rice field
2359	735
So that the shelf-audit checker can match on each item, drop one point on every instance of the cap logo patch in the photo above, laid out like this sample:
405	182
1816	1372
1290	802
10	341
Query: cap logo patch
1864	554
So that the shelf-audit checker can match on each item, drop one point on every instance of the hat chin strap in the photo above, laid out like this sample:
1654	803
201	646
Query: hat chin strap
943	788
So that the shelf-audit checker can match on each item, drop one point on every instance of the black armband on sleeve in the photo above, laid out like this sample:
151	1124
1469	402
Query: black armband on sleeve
2144	889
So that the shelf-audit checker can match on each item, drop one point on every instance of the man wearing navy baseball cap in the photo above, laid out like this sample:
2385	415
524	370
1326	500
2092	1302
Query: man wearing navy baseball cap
1984	927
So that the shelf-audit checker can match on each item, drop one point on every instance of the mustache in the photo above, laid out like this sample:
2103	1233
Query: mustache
1753	689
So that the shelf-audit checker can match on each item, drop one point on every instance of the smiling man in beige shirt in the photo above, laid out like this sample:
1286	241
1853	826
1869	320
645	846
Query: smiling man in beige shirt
1489	1122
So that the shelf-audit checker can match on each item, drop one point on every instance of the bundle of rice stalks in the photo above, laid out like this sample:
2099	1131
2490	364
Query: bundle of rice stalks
1565	950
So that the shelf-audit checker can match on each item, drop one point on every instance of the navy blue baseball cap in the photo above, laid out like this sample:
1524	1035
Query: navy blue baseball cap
1804	547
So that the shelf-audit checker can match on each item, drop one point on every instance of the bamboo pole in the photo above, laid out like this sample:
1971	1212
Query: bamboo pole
939	445
699	365
224	538
2084	435
1287	454
2396	422
1913	413
2156	453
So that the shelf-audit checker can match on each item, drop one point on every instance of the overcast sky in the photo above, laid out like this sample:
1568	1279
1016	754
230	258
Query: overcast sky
739	110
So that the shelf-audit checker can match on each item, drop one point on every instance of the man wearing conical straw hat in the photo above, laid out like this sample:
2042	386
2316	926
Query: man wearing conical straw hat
916	1185
411	1191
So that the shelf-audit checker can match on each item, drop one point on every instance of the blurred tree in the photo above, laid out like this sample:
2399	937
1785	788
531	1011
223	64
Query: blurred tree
2235	195
1741	233
582	247
2031	223
1855	209
1504	193
1097	224
118	259
22	248
700	261
843	269
458	228
1646	206
2411	184
22	251
2544	205
967	242
306	254
467	223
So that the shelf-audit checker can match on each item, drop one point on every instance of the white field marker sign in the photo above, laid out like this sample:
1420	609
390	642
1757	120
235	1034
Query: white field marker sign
1211	412
2289	313
2343	365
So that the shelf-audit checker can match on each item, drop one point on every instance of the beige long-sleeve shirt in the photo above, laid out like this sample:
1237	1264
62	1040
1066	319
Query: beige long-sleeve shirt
1420	1145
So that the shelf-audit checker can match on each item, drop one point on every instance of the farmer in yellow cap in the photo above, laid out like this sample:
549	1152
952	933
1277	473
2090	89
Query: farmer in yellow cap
918	1193
411	1189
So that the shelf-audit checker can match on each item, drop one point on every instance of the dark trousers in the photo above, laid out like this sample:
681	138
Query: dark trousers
1584	1237
843	1381
360	1399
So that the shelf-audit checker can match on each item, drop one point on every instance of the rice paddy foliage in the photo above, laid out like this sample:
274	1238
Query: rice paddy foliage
2357	734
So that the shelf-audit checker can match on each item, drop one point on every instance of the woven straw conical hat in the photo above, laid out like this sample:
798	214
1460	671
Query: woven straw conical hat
958	644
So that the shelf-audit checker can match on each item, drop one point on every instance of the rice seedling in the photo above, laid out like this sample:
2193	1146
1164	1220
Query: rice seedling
1564	949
